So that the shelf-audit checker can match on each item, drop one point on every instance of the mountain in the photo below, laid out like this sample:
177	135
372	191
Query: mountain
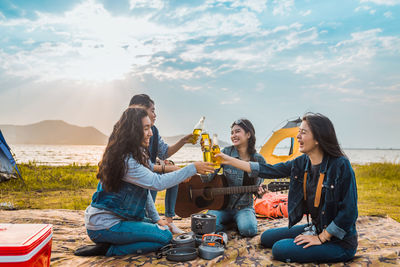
55	132
170	140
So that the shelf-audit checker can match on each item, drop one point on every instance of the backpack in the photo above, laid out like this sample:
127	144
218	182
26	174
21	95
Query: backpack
272	205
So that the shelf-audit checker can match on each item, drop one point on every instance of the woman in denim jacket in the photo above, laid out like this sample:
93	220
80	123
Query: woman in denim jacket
115	220
323	186
240	208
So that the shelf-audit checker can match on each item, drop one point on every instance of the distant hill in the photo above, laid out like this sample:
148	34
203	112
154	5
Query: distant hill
170	140
54	132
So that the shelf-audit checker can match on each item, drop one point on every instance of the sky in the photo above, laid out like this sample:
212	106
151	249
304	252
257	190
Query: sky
268	61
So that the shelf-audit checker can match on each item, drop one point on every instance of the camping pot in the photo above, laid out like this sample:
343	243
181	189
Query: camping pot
184	240
203	223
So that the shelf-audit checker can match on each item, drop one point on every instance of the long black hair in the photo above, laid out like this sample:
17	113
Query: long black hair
126	139
324	133
248	127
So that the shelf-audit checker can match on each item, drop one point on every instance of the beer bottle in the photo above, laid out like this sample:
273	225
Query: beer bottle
214	151
206	147
197	129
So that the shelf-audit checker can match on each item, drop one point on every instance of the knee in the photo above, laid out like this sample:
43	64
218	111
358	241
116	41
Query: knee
165	237
248	231
267	239
281	250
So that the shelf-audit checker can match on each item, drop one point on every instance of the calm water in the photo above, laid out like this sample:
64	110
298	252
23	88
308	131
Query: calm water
65	155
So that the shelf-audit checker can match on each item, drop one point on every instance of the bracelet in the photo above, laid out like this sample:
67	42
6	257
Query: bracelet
320	239
163	168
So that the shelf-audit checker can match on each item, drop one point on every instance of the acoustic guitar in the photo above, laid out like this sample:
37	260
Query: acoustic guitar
194	195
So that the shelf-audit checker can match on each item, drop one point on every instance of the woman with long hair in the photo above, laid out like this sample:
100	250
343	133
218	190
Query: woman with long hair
239	210
322	186
115	220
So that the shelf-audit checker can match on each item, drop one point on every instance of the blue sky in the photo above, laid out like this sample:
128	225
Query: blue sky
82	60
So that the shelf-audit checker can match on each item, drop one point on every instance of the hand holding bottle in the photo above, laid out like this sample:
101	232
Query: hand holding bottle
203	167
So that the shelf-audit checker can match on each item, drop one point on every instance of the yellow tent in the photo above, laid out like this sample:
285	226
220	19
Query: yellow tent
290	130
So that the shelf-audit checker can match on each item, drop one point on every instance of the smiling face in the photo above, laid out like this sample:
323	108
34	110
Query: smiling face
147	132
239	137
306	139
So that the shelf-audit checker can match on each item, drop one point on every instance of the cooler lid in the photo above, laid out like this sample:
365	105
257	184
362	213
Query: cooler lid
20	239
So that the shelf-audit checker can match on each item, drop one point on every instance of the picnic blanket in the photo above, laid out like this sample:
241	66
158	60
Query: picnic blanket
379	243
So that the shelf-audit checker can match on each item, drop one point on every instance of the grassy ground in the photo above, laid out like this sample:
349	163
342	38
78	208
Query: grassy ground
71	187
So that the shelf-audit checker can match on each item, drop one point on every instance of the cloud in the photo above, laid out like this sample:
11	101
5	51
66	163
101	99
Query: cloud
305	13
191	88
231	101
382	2
282	7
156	4
388	14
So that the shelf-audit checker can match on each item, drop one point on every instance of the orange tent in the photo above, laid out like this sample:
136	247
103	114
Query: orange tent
290	130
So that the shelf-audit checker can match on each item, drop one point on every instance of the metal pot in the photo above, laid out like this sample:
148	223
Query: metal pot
203	223
184	240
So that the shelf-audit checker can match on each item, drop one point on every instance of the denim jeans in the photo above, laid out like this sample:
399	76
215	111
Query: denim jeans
170	200
245	220
132	237
284	249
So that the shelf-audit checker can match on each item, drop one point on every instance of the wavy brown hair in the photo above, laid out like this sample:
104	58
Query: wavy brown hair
126	139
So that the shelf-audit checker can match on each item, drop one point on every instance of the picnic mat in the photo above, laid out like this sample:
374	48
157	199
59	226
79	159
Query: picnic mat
379	243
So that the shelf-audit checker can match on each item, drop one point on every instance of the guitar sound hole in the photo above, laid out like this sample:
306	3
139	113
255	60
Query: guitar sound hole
201	202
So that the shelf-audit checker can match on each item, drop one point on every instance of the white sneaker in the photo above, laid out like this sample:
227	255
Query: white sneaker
175	229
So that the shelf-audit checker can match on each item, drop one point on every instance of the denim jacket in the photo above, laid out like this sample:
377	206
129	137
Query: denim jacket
129	202
338	213
234	177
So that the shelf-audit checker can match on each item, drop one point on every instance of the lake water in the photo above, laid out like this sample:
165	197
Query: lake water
67	154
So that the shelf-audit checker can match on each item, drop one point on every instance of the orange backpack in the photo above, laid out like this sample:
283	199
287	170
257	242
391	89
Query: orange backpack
272	205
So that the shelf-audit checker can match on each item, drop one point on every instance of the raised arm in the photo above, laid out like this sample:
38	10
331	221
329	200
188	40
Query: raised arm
178	145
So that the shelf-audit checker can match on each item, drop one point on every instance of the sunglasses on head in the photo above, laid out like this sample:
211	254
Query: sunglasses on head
242	122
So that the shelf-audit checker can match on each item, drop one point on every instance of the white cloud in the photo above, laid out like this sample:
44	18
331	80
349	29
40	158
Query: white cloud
191	88
382	2
305	13
156	4
230	101
388	14
282	7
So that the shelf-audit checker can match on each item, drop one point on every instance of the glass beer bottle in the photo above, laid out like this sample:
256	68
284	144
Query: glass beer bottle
214	151
197	129
206	147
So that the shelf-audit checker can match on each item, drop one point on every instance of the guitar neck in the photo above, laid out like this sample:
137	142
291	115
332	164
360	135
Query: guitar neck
234	190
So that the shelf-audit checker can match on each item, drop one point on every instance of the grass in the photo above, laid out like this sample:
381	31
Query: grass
71	187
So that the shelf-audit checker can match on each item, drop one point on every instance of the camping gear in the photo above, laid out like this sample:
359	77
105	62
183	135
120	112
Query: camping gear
203	223
272	205
185	253
290	130
25	244
8	166
195	195
184	240
212	246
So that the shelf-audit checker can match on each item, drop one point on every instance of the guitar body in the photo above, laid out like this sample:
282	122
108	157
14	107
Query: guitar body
195	196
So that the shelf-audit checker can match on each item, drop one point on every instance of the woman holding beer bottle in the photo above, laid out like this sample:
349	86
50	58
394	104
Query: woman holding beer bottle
240	209
323	186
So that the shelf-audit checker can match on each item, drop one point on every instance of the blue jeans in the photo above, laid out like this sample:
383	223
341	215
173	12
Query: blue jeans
132	237
170	200
245	220
284	249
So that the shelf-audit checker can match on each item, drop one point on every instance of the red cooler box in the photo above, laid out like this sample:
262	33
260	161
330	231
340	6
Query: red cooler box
25	244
